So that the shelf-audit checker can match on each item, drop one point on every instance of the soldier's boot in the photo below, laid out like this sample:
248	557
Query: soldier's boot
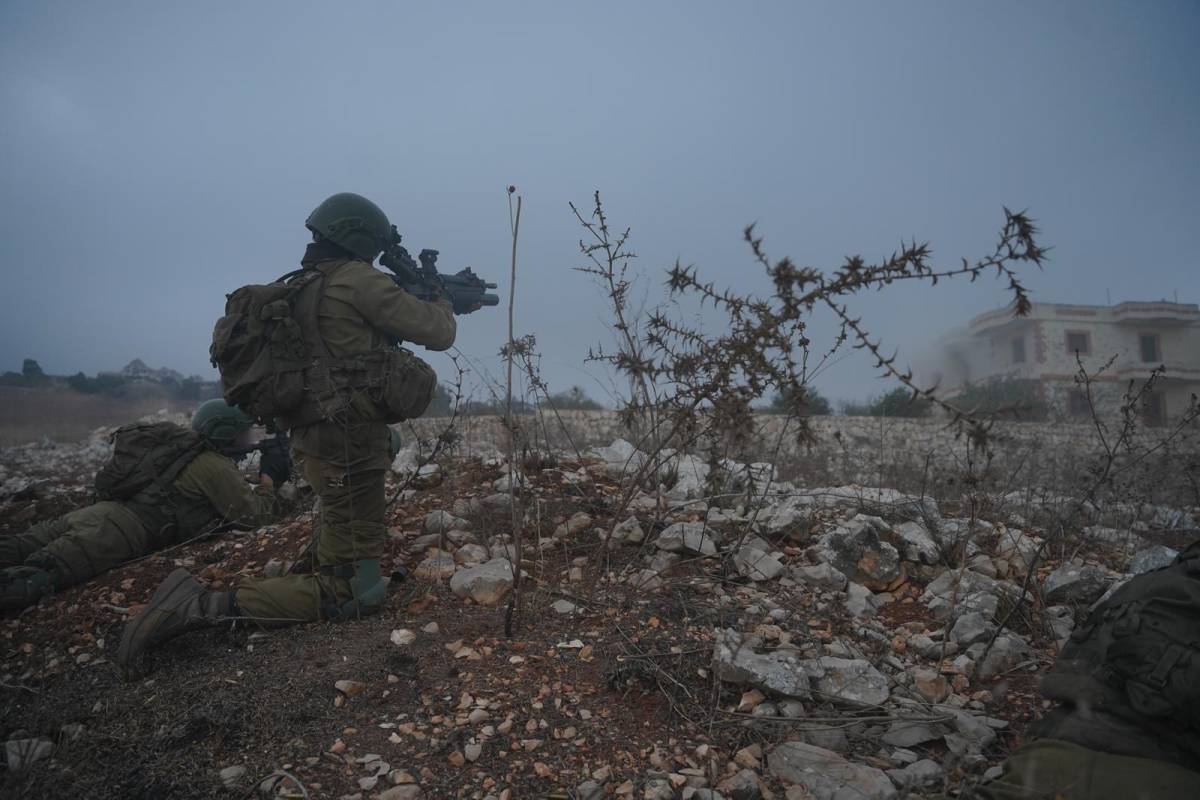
179	605
368	590
21	587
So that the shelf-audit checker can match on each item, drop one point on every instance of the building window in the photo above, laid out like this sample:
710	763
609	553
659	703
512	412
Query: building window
1018	350
1150	347
1079	342
1077	403
1154	413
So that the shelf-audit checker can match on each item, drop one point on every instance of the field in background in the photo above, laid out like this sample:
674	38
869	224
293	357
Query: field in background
27	415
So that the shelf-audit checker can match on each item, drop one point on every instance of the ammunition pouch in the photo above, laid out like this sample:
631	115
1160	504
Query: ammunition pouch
367	590
408	386
399	384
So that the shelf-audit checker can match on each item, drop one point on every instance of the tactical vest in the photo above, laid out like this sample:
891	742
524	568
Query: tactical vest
146	460
399	383
1136	661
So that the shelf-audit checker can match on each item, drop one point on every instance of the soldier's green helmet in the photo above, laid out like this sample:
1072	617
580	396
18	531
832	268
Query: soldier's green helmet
220	422
353	222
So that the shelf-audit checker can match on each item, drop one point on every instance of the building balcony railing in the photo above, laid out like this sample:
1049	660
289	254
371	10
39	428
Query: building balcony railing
1158	313
1176	369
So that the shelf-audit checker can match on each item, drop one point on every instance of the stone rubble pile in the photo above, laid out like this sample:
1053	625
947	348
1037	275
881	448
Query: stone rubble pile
856	550
40	466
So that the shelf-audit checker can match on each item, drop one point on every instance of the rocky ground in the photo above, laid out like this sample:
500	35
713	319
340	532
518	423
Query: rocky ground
726	635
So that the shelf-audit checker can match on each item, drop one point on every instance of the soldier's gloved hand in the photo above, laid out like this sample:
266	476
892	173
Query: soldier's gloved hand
276	465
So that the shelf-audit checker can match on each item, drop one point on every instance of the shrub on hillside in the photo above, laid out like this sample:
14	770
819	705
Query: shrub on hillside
1011	397
574	399
811	404
898	402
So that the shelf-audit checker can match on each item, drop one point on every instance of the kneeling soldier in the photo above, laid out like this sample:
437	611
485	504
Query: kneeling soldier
352	316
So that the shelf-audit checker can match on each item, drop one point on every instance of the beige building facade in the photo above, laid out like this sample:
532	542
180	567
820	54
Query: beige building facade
1048	345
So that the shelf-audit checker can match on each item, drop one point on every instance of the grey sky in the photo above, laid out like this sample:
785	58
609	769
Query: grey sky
157	155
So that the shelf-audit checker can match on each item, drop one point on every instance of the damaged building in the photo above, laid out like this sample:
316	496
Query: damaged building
1046	348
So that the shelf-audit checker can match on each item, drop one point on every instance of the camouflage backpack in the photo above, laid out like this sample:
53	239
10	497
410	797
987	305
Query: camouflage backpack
146	455
1139	650
259	348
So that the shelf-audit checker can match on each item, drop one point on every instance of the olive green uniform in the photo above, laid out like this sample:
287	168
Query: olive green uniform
1081	751
346	458
1125	723
1059	770
209	492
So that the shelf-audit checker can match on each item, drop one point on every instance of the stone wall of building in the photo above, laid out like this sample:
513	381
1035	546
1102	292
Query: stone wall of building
907	454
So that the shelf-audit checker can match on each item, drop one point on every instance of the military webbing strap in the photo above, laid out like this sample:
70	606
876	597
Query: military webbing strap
308	284
297	281
326	375
166	479
157	503
305	293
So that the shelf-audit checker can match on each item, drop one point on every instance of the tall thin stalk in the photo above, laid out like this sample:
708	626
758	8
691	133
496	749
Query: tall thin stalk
514	606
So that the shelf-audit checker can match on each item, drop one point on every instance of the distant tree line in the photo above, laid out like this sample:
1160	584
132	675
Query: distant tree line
109	384
573	399
1018	398
31	375
1003	397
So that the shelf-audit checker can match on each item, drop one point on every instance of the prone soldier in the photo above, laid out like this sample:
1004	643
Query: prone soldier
164	484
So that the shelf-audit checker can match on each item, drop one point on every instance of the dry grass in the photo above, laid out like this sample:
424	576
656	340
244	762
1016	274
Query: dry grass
27	415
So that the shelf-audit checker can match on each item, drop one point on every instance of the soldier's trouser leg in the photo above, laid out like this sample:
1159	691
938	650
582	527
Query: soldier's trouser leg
80	545
1052	769
351	536
15	549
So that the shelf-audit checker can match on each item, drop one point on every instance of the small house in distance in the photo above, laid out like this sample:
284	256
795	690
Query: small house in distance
1042	348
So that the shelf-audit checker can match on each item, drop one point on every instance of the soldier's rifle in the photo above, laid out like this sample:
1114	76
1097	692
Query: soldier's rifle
465	290
278	443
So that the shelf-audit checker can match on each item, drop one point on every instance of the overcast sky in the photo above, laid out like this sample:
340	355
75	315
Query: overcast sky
157	155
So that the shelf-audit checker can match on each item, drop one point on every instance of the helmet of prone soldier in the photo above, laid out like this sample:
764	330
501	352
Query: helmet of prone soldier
220	422
352	222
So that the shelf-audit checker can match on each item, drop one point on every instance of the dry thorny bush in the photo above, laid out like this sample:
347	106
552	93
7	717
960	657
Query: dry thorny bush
697	385
692	389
